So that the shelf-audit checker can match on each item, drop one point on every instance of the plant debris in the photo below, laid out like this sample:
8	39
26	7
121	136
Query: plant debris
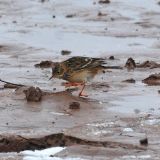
11	85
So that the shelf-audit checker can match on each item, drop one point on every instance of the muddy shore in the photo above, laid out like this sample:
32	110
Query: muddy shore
123	106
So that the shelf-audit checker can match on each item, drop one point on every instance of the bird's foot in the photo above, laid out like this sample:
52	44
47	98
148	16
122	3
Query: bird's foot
83	95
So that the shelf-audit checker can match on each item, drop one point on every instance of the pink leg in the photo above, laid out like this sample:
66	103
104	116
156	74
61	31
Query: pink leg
70	84
81	92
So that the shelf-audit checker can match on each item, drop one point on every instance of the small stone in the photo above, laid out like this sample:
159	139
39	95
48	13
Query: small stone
101	14
111	58
129	80
65	52
112	19
14	21
130	64
74	105
44	64
104	1
137	111
70	15
53	16
33	94
144	142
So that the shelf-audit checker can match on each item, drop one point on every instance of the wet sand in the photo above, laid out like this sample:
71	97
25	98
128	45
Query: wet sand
117	114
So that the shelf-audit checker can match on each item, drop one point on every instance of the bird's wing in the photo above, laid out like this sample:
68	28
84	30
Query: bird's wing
80	63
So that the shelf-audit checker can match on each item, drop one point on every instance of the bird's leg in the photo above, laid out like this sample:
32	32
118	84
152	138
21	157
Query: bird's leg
69	84
81	92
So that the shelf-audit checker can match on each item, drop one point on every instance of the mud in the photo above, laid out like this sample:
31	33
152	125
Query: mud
19	143
116	116
131	64
153	79
148	64
33	94
74	105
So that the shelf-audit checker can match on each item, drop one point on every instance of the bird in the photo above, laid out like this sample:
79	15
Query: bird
78	70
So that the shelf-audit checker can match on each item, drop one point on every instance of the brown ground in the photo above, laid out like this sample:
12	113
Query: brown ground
109	123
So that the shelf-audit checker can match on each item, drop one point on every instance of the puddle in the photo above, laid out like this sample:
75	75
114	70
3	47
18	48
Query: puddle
152	122
144	103
41	154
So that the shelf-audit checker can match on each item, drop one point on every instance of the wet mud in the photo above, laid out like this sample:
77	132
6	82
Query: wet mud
153	79
120	117
19	143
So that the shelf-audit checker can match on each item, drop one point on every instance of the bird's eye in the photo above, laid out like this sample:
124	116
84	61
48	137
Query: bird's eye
58	71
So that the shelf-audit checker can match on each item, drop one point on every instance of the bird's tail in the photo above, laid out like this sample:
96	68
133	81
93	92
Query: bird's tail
112	67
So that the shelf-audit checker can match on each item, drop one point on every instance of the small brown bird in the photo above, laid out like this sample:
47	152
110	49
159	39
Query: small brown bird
78	70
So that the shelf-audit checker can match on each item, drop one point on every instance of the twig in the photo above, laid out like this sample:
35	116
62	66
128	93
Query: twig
20	85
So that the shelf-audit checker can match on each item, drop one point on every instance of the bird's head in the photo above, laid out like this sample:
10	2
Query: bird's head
57	71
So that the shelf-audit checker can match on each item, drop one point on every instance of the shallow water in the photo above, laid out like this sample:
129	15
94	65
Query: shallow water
148	103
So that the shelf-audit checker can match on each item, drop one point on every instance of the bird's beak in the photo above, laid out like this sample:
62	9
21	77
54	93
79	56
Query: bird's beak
51	77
